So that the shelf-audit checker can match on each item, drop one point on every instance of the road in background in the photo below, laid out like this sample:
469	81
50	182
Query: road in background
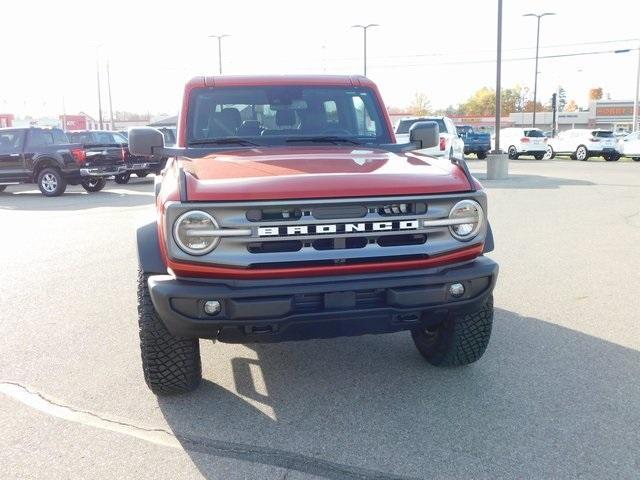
556	394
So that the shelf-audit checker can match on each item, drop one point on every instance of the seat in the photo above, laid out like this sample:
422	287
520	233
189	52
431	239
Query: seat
314	122
250	128
224	123
286	121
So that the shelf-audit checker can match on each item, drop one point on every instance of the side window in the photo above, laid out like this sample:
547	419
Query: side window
365	125
117	138
39	138
331	112
11	141
59	137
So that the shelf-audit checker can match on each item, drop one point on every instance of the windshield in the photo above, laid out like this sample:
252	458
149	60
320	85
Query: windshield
266	115
405	125
534	133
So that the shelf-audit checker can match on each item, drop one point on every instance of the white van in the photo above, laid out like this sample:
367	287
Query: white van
524	141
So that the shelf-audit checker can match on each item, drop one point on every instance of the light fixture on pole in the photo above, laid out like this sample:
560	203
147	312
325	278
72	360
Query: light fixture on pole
219	37
635	127
535	78
364	30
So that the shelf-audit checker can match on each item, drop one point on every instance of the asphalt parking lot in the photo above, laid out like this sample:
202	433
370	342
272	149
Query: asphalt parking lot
555	396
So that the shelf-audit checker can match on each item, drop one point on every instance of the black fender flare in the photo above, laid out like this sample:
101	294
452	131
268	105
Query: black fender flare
45	159
149	256
488	240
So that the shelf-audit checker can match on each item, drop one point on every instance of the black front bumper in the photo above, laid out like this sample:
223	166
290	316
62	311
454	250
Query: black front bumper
293	309
476	149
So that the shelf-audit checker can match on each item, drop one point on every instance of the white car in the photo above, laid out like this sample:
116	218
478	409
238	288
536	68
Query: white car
582	143
450	143
524	141
630	146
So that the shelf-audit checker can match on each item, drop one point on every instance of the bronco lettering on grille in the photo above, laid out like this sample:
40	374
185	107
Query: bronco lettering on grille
293	230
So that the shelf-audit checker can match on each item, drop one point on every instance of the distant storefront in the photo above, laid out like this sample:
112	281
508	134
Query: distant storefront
6	120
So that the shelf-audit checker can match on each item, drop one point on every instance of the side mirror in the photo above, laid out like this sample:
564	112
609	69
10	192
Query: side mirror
425	134
144	140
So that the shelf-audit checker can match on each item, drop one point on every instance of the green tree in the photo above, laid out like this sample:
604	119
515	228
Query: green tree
483	102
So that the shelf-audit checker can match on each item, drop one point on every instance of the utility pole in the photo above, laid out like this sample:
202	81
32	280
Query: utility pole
99	92
219	37
535	78
109	92
364	30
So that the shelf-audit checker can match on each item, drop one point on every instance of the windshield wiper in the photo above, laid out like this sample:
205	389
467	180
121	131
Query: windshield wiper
324	139
225	141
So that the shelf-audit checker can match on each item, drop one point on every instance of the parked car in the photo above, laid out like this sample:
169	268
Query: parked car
474	142
629	146
46	157
582	144
116	145
524	141
450	144
308	222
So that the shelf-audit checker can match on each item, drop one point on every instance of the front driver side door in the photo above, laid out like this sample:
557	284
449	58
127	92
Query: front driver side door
11	157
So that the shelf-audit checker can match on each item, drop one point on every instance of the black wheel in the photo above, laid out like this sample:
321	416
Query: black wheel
539	156
51	182
122	178
94	184
170	364
636	159
582	153
550	154
513	152
2	188
481	155
612	158
459	340
142	174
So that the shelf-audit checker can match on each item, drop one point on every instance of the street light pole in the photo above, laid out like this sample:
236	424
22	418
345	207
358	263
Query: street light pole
364	30
635	103
535	78
496	148
219	37
109	92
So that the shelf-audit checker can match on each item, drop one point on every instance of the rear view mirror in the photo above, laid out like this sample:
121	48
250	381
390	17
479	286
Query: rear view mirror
425	134
144	140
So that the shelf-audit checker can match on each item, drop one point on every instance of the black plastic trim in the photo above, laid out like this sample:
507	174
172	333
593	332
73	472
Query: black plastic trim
149	256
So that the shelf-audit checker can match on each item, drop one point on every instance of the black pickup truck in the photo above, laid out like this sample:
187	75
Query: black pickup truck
118	139
45	156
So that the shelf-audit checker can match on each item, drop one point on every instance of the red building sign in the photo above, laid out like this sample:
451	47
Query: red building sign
74	122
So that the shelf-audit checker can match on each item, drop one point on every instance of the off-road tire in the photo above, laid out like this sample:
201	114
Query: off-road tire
481	155
459	340
45	180
94	184
122	179
170	364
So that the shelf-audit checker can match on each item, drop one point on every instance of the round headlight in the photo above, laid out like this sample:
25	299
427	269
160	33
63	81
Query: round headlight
193	232
469	215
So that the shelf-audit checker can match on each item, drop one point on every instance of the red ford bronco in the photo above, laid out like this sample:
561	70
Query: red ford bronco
287	211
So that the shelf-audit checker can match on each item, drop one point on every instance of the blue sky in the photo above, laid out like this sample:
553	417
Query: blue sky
443	49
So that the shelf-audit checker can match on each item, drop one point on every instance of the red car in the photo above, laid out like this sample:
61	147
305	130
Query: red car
287	211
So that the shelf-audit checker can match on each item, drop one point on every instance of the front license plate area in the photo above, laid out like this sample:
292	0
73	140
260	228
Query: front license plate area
339	300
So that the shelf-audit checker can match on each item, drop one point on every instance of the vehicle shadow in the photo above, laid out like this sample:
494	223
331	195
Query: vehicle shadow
28	197
544	402
522	181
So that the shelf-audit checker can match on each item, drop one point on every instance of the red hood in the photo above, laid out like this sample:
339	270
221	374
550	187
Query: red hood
312	172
